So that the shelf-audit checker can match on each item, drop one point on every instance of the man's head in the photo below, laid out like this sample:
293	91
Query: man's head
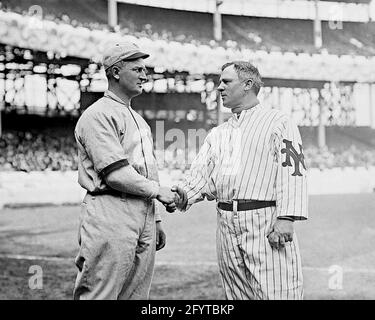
239	80
125	68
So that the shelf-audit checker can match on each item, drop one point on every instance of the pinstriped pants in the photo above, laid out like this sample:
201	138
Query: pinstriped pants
250	268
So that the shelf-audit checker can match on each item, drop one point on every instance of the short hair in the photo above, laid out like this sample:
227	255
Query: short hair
246	71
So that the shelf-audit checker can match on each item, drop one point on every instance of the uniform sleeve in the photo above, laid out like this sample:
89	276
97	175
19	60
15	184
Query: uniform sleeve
196	183
99	136
291	178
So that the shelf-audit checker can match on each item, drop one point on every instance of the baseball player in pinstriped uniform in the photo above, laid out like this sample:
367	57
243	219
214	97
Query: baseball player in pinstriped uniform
253	166
119	228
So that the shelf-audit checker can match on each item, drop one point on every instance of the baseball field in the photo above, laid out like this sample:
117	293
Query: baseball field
337	248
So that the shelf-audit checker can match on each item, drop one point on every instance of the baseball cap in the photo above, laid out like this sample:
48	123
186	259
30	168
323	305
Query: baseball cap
120	52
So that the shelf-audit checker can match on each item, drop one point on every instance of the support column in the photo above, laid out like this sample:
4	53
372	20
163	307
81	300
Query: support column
1	125
321	126
112	13
372	105
317	27
217	21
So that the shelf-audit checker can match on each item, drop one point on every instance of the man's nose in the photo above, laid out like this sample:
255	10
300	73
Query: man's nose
220	88
143	76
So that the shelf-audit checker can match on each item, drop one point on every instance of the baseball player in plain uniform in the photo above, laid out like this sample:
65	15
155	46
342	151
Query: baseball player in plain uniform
253	166
119	228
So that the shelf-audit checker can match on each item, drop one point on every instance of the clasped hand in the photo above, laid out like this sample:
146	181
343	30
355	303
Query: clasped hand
172	198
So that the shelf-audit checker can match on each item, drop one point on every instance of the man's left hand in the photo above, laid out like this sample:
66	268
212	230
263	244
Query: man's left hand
160	237
282	231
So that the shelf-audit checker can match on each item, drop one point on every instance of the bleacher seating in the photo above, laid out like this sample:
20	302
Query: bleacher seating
269	34
30	151
51	150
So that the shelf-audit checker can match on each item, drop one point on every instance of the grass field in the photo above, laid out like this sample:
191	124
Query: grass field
340	231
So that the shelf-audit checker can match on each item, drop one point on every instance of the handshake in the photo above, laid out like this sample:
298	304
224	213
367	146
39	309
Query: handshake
172	198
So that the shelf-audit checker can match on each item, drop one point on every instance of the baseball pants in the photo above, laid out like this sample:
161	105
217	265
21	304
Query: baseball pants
250	268
117	248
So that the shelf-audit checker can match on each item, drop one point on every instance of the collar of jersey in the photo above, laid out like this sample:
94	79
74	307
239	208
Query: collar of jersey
243	114
111	95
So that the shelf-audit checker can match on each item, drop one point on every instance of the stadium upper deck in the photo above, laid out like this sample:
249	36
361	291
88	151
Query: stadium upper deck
257	33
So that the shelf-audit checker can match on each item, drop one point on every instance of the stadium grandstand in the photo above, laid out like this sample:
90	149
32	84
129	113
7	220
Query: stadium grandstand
317	62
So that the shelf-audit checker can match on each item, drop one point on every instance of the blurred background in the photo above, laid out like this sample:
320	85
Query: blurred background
317	62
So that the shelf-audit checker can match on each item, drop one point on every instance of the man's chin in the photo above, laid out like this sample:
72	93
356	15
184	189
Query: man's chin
138	92
226	105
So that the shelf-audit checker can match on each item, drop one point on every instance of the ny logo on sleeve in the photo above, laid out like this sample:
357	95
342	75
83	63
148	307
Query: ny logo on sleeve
291	153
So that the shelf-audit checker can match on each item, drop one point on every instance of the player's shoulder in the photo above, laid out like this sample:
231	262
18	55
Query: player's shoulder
221	127
275	114
218	130
272	118
280	117
100	114
101	109
283	121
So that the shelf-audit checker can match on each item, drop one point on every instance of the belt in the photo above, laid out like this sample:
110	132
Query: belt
111	192
243	205
116	193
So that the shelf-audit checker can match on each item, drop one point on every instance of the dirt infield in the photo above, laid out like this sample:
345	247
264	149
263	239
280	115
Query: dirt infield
340	231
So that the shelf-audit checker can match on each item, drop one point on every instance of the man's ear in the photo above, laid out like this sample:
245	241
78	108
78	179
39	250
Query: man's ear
115	70
248	84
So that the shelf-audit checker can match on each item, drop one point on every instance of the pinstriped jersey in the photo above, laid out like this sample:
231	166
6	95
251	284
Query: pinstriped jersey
257	156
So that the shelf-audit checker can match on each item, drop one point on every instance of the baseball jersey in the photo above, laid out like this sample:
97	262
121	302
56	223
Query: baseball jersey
257	156
110	135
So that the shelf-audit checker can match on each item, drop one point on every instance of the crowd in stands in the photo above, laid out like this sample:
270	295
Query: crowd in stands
238	32
145	30
31	151
128	27
49	151
328	158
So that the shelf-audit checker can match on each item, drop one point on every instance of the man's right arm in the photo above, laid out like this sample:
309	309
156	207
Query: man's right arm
127	179
98	134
